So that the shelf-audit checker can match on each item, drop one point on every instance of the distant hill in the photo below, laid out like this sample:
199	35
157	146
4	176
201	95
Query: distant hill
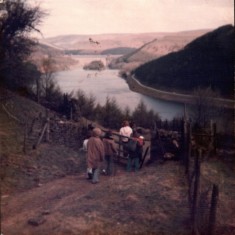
97	44
43	50
156	48
208	61
118	51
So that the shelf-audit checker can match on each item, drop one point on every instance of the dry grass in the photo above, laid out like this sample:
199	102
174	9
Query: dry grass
152	201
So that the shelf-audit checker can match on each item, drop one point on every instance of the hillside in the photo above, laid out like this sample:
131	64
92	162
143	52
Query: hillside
44	50
207	61
21	170
156	48
44	191
96	44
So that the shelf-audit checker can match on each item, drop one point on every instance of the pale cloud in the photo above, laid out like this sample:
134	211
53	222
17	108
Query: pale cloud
133	16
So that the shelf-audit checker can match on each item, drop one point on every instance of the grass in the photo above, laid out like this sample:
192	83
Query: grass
152	201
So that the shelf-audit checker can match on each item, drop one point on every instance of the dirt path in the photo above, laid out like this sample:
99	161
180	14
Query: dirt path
41	204
128	203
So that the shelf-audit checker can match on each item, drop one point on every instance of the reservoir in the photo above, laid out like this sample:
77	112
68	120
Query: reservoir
107	83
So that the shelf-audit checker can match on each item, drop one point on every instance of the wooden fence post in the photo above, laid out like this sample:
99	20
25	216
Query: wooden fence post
212	217
25	137
214	132
196	194
42	134
144	156
185	145
48	130
187	149
182	140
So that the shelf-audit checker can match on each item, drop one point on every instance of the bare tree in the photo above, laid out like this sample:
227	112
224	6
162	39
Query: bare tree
204	108
48	84
18	20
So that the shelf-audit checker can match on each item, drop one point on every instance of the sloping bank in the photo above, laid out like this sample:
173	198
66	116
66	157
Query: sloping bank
136	86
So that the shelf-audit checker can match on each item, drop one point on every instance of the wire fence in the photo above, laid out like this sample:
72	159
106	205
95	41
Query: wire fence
202	196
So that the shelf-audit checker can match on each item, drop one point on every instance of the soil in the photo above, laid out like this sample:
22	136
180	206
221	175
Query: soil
141	202
46	191
151	201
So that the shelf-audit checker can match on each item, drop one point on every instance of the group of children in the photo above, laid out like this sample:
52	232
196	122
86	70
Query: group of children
102	148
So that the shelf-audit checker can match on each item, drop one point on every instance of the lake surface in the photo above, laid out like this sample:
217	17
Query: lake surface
107	83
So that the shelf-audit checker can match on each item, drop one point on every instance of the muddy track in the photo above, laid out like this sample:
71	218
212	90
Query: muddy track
142	201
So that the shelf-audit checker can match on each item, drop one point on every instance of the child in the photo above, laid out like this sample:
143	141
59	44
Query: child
110	150
136	155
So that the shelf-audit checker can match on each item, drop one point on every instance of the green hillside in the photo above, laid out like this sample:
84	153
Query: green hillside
208	61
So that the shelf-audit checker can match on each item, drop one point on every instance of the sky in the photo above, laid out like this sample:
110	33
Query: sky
132	16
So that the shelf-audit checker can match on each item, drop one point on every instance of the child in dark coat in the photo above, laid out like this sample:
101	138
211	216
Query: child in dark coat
135	156
110	150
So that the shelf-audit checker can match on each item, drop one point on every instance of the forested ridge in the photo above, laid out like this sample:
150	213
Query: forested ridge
207	61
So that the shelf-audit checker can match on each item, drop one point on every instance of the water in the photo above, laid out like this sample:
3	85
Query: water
107	83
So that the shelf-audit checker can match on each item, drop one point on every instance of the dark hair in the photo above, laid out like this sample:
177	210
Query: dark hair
108	135
135	134
90	126
125	123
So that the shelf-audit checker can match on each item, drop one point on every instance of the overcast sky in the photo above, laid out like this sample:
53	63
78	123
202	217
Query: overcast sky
133	16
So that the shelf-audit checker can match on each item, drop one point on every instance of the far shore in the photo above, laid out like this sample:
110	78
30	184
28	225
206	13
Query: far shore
136	86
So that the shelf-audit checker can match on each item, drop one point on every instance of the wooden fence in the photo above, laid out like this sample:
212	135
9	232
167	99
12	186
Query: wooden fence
196	146
72	134
202	206
121	156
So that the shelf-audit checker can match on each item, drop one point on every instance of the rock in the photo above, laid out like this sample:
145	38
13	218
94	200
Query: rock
46	212
36	221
